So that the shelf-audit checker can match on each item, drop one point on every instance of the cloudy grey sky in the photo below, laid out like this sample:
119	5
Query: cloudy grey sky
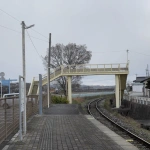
108	28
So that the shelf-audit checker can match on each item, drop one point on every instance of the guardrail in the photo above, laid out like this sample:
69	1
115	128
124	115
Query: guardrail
9	113
137	99
94	68
90	68
86	68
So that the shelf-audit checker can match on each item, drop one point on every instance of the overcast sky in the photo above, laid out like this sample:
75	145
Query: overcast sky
107	27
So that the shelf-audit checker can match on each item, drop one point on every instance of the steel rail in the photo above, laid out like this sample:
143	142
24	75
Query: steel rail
144	142
88	107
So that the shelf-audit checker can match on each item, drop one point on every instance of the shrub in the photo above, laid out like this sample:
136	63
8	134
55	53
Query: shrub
59	100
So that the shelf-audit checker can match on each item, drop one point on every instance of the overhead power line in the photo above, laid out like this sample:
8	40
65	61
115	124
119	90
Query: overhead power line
123	51
46	37
39	33
10	29
20	21
38	39
107	51
33	44
140	53
9	15
20	33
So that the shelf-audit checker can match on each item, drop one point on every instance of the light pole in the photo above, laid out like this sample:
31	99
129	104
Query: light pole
48	72
24	72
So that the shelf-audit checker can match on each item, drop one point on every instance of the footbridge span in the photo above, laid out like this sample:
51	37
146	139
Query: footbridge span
119	70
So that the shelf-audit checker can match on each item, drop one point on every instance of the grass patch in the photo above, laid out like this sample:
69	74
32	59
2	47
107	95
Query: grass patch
78	100
59	100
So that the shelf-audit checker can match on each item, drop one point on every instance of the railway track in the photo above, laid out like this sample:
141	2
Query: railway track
95	111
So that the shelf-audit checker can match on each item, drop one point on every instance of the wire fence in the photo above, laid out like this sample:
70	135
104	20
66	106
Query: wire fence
9	114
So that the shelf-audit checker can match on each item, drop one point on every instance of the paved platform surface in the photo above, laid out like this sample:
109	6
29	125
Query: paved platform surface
68	132
62	109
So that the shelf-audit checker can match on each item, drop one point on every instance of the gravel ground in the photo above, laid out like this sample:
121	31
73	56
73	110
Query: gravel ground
126	122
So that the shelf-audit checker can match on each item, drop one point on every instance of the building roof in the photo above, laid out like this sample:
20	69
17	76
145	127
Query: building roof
146	79
139	79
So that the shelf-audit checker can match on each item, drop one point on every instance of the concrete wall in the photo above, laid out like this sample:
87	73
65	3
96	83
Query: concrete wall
138	111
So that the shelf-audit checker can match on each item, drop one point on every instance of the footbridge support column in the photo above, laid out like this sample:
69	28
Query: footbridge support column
120	87
69	89
117	94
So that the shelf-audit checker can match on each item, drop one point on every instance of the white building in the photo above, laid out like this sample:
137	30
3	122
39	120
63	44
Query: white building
137	86
146	92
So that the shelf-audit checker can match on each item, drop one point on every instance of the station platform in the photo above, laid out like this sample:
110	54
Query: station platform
63	127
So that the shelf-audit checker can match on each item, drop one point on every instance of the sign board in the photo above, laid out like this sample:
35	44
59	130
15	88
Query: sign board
21	93
5	82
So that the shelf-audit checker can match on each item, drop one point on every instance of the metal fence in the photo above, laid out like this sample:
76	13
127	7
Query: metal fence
137	99
9	113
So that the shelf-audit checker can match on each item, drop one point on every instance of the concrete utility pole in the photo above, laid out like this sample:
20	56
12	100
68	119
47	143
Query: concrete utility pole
24	72
48	72
127	56
147	71
62	56
40	94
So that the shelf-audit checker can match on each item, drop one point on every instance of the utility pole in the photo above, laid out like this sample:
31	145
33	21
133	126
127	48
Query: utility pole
136	75
24	72
62	56
48	72
40	94
147	71
24	75
127	56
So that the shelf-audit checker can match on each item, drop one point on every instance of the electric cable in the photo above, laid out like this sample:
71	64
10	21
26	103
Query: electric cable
20	21
39	33
10	29
33	44
107	51
9	15
21	33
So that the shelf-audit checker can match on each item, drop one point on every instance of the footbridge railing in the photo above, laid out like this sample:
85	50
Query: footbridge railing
90	68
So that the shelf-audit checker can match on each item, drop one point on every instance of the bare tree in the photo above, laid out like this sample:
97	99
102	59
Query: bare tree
70	54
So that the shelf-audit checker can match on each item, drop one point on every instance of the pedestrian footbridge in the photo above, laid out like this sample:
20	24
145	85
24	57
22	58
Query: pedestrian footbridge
119	70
